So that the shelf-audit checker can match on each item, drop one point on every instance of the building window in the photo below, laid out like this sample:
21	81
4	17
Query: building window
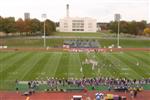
65	26
78	21
77	29
77	25
73	29
65	23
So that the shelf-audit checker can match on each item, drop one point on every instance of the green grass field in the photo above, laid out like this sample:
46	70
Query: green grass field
75	34
104	39
40	65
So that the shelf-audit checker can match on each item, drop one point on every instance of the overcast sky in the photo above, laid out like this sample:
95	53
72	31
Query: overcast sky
102	10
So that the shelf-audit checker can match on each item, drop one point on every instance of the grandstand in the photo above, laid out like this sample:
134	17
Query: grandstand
82	43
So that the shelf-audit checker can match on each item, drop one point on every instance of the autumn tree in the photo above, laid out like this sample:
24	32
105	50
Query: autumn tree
35	25
8	25
20	25
50	27
133	27
147	31
124	26
113	26
1	24
25	27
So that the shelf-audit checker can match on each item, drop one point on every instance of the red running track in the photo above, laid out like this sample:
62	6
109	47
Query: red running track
144	95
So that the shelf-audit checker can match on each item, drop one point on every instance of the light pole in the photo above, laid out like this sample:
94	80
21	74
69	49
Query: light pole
117	18
44	17
118	33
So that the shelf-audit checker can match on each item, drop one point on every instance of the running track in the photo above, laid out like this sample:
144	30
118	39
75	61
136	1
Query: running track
144	95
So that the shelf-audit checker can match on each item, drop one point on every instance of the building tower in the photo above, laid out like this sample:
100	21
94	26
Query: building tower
77	24
26	16
67	10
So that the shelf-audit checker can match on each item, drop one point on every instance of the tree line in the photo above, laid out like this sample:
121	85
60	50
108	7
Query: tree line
35	26
133	27
26	27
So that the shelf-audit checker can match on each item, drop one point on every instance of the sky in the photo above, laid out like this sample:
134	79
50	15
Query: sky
102	10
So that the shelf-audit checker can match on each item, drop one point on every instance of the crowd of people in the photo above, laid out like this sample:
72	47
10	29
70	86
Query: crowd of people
33	84
84	82
112	83
132	86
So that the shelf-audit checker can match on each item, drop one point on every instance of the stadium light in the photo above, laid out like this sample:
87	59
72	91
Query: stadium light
44	17
117	18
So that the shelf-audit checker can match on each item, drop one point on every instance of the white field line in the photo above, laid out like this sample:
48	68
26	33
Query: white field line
50	67
80	63
58	61
31	65
97	57
126	66
140	65
12	61
15	73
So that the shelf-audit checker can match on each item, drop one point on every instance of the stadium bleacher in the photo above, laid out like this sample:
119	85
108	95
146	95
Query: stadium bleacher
82	43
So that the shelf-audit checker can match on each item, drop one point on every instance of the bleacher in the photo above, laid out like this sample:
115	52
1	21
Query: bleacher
82	43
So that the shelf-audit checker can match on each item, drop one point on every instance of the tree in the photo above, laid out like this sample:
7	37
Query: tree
141	26
124	26
136	28
49	26
1	24
8	25
147	31
20	25
35	25
27	27
133	27
113	26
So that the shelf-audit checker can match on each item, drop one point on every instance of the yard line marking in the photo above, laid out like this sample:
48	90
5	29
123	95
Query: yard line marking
58	59
27	98
31	65
55	57
80	62
126	57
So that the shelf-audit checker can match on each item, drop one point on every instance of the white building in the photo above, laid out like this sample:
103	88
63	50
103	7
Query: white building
77	24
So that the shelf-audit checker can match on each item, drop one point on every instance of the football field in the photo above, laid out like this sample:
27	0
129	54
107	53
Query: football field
26	66
39	65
